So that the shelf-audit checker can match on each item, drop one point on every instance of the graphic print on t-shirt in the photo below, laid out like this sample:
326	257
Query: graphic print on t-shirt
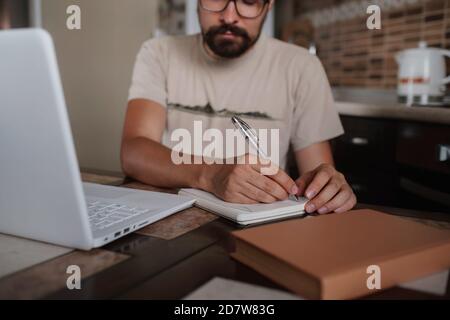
275	86
209	111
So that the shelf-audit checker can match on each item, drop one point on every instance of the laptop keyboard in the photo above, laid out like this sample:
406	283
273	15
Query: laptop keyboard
105	215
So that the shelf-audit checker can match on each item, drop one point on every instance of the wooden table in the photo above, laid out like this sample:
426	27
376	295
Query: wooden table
141	266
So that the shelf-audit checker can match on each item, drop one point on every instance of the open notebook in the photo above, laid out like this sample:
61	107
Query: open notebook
245	214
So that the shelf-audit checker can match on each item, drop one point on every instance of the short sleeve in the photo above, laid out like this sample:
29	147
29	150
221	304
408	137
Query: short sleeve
149	79
315	117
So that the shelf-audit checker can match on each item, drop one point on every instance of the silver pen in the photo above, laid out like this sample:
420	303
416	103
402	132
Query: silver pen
251	136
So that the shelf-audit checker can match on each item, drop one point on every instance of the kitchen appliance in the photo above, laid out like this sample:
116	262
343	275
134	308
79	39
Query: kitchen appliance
422	76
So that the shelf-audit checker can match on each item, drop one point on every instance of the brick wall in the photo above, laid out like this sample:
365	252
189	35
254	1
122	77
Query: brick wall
355	56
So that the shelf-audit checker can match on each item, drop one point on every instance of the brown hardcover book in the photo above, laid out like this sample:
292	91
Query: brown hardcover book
328	257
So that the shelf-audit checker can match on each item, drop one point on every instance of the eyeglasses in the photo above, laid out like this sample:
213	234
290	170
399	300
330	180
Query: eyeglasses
248	9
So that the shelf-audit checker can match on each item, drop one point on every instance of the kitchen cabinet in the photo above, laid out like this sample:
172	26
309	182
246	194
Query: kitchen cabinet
395	162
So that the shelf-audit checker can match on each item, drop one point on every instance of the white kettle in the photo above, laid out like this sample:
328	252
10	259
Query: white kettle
422	76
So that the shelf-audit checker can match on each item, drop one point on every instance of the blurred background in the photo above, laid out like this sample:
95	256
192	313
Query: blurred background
397	145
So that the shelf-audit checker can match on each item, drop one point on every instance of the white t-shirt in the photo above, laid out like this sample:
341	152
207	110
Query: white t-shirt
275	85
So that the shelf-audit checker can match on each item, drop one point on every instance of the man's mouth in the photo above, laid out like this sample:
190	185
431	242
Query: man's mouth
228	34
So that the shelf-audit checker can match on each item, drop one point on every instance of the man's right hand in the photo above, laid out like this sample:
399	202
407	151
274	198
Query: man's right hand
244	183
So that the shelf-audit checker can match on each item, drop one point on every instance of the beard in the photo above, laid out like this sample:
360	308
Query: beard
229	48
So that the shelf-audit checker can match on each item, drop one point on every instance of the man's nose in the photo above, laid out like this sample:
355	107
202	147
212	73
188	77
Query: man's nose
230	14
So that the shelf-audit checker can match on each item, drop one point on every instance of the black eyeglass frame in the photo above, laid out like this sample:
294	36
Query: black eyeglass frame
266	2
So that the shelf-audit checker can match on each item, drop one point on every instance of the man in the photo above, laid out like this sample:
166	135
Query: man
232	69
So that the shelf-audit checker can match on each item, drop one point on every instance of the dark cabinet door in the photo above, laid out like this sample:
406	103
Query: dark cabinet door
368	145
423	157
366	155
424	147
396	163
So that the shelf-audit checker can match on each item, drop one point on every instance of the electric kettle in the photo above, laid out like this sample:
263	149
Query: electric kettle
422	76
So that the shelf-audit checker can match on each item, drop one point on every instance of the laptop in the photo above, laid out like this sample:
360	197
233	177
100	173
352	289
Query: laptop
42	196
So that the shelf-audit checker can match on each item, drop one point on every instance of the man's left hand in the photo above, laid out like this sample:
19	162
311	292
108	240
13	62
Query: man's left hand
327	190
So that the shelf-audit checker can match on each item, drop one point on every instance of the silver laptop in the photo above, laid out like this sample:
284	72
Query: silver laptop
41	193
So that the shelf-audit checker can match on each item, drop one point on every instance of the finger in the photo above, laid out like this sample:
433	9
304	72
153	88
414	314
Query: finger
243	199
257	194
268	185
349	205
325	195
320	180
338	201
286	182
303	182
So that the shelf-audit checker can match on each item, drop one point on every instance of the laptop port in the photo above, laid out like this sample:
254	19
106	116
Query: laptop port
142	224
117	234
126	230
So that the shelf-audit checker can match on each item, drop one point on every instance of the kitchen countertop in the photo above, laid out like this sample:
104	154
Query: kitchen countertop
376	103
